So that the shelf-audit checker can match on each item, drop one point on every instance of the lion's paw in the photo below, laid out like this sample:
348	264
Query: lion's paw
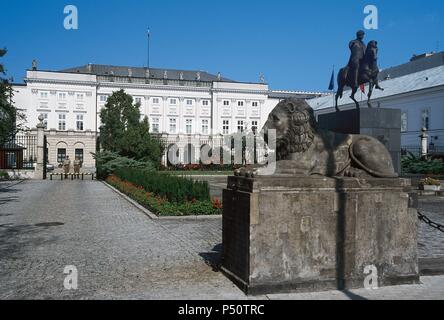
246	172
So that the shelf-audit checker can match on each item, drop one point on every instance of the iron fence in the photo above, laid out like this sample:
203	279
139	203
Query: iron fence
417	150
19	153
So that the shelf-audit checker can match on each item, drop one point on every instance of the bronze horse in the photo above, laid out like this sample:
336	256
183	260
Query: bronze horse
368	73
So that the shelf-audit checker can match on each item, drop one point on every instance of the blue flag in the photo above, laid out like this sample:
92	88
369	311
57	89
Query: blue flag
331	87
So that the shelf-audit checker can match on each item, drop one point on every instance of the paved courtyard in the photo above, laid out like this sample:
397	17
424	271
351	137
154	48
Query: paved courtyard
122	254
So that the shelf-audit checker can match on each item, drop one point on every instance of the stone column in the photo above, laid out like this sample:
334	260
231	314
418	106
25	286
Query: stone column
38	171
424	143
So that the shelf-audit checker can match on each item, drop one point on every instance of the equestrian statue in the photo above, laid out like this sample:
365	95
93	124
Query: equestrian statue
362	68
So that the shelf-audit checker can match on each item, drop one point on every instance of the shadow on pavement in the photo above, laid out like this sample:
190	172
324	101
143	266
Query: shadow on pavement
16	238
212	258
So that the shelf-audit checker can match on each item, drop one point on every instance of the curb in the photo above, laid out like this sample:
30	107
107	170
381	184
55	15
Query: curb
152	216
431	266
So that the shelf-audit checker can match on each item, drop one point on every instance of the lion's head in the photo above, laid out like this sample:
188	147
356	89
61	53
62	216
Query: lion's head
295	125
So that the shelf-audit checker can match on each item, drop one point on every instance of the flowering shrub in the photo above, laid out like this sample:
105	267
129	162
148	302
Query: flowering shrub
429	182
160	205
217	204
201	167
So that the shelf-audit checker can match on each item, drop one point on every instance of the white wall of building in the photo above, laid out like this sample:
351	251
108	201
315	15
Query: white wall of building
177	112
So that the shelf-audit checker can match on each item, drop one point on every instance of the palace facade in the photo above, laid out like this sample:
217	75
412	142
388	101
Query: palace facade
187	109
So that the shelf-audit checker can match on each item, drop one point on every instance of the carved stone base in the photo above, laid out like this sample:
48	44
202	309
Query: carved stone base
290	233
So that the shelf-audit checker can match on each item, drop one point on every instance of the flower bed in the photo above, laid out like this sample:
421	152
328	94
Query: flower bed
161	205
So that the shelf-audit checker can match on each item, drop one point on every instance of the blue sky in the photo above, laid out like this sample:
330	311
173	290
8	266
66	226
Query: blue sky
294	43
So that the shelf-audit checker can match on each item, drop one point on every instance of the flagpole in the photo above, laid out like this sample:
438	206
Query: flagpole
148	51
333	86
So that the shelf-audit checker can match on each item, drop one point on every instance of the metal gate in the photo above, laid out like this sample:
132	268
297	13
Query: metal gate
45	157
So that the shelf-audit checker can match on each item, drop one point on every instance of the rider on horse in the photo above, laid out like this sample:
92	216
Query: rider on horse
362	68
358	49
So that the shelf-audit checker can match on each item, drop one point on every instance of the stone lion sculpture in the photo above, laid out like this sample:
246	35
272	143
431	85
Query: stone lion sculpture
304	149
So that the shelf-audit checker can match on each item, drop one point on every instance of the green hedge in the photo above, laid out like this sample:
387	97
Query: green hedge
416	165
108	162
175	189
160	205
3	175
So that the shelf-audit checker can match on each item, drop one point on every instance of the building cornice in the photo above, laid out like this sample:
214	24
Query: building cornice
59	81
244	91
99	85
152	87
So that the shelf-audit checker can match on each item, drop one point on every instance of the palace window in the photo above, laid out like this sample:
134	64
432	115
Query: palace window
138	101
62	96
61	155
240	103
240	126
79	96
189	102
62	121
79	122
43	95
79	155
254	104
205	126
425	114
189	126
173	101
45	120
205	103
226	103
173	126
404	121
226	127
156	100
155	125
254	126
103	98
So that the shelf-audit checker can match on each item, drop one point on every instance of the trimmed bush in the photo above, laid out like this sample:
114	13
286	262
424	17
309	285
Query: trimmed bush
173	188
413	164
4	175
108	162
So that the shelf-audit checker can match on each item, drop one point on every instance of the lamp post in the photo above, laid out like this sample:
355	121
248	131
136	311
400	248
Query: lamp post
424	143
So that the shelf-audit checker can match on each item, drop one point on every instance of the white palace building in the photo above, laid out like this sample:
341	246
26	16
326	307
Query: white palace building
188	109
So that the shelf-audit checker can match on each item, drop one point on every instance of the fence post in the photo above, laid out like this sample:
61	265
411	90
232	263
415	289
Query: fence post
38	171
424	143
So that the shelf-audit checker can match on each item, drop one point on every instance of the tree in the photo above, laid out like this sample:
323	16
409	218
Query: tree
123	132
11	120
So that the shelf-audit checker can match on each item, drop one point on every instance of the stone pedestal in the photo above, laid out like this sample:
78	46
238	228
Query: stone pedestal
382	124
290	233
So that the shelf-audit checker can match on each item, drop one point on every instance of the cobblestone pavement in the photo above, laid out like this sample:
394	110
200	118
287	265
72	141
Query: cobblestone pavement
121	254
431	241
